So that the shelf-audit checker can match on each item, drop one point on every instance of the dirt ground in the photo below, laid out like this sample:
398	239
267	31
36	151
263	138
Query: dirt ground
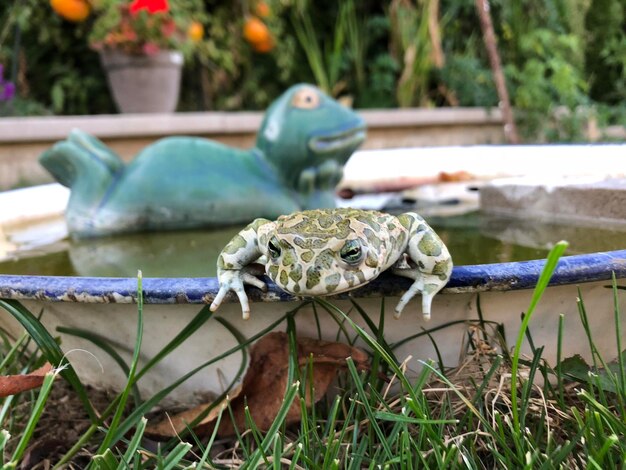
62	423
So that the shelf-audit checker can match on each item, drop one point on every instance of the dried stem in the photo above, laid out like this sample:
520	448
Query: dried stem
489	36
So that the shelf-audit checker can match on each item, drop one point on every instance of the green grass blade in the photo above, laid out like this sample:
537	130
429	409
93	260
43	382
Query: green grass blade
400	418
338	319
293	369
105	461
618	335
443	326
35	414
331	421
138	412
373	345
546	274
4	437
256	434
175	456
203	315
369	412
50	349
134	443
559	353
470	406
253	460
377	330
296	457
205	455
219	399
12	353
152	401
200	319
117	417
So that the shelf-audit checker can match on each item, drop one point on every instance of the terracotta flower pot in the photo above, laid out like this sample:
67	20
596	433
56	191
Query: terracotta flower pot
144	83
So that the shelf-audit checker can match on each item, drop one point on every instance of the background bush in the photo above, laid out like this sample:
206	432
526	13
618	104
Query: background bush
568	53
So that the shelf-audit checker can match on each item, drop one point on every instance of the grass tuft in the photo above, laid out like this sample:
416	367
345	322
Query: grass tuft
496	409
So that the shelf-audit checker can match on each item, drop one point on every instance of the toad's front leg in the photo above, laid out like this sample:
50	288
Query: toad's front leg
431	263
232	263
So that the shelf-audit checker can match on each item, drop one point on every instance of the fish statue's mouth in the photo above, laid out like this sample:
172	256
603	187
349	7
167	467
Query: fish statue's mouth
331	142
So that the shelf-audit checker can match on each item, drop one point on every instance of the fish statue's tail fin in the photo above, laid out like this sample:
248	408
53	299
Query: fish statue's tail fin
86	166
80	153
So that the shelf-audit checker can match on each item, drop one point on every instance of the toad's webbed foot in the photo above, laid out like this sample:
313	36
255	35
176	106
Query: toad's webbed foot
235	280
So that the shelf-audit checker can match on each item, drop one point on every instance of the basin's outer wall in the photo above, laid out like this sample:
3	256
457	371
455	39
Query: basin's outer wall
22	140
162	322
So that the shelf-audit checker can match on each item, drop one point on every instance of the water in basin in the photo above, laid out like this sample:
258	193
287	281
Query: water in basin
473	238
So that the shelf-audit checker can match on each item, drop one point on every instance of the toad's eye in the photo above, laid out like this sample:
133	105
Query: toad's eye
274	248
306	98
351	252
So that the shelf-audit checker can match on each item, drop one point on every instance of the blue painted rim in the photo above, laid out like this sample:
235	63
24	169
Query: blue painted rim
472	278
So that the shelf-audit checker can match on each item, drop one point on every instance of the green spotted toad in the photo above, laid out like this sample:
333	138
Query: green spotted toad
328	251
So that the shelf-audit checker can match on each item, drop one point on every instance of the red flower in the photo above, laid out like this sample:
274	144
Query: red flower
153	6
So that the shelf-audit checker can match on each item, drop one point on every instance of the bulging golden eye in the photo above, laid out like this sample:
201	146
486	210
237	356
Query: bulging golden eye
351	252
306	98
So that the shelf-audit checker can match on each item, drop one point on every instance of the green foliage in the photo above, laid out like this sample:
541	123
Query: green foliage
326	58
226	73
542	45
56	70
547	79
548	76
556	54
470	79
411	43
23	107
605	50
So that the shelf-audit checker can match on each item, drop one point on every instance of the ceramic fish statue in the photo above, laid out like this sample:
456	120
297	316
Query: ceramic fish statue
305	139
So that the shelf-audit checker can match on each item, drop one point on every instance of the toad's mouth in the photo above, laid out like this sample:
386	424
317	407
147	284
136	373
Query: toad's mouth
331	142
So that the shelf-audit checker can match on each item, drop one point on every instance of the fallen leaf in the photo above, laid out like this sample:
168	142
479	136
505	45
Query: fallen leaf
12	384
264	385
577	369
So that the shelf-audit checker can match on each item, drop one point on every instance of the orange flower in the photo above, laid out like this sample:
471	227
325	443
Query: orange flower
195	32
262	9
255	31
263	47
71	10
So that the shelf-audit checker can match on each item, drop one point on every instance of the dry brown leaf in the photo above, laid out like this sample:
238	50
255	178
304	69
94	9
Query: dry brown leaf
12	384
264	385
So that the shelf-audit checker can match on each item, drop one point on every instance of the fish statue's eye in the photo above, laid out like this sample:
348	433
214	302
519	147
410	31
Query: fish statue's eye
306	98
351	252
274	248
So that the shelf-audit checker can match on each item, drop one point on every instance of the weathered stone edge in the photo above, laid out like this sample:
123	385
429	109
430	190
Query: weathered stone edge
37	129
